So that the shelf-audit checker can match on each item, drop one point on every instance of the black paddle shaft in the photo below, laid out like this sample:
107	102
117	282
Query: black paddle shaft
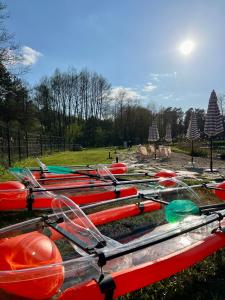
201	208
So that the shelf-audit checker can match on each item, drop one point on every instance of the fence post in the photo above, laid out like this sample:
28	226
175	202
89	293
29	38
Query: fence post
27	149
50	140
19	144
58	143
64	144
41	147
8	146
2	138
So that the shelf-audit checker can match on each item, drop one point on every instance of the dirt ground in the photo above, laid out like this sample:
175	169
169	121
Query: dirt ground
177	162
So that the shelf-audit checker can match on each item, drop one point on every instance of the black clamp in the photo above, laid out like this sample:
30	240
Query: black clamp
115	183
220	218
107	286
30	200
141	207
101	259
42	174
25	182
117	193
204	185
140	196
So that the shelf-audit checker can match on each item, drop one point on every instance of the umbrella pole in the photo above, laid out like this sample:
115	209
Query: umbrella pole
192	152
155	151
211	149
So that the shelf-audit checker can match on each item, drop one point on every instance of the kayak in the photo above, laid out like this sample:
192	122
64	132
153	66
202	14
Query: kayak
56	174
15	195
30	194
66	256
61	171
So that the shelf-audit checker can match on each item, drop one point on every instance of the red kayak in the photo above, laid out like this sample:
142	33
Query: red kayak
115	169
91	265
15	195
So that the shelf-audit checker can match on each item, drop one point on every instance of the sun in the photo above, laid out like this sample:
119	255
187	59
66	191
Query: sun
187	47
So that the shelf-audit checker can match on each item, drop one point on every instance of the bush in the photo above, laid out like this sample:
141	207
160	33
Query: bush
199	153
77	147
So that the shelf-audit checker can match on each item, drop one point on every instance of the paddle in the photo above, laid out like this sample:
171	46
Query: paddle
165	185
117	166
177	210
60	170
68	170
156	239
211	186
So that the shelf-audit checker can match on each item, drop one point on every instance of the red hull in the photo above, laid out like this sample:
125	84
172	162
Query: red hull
114	214
13	196
137	277
116	168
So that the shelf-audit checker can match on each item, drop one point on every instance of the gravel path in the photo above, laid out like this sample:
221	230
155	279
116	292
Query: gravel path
177	162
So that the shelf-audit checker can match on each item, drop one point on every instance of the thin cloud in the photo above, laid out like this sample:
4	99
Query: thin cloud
158	76
149	87
29	56
169	97
127	93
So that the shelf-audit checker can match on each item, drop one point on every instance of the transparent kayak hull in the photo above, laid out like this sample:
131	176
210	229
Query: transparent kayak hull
32	265
149	272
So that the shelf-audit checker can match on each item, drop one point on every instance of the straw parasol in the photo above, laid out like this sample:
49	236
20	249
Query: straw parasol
192	133
168	136
213	122
153	135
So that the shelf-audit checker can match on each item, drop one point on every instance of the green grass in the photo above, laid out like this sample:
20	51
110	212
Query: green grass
179	150
90	156
187	150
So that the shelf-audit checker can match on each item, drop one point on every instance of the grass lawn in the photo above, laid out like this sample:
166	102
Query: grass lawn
90	156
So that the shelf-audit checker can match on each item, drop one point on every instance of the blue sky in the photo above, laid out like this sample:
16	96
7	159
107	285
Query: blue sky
133	43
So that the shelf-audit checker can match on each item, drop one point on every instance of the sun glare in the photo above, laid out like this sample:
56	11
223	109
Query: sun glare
187	47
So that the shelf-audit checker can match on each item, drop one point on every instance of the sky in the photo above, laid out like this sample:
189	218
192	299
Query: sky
134	44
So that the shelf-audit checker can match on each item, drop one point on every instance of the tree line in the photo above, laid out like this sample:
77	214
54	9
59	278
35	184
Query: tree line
80	106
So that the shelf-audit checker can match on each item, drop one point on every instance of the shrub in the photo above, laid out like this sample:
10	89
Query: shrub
222	155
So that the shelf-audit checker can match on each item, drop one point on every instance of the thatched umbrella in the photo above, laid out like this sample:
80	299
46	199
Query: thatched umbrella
168	136
153	135
192	133
213	122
